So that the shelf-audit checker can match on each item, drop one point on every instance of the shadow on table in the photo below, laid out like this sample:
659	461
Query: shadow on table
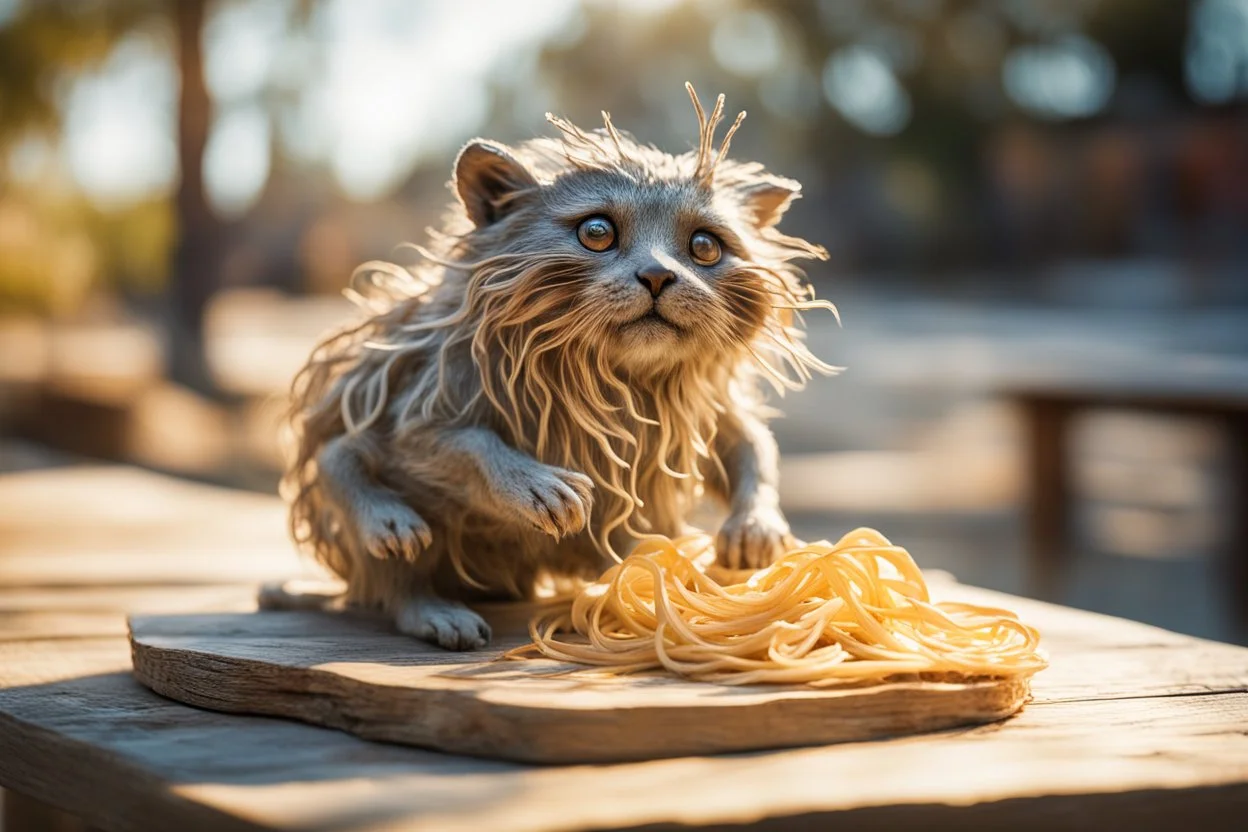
93	744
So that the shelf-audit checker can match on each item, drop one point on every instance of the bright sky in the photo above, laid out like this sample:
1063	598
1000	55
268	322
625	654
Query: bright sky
407	78
398	80
119	124
381	84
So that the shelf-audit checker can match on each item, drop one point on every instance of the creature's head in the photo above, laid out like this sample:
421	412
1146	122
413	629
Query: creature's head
656	260
600	301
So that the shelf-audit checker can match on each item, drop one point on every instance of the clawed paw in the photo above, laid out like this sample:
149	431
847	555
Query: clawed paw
752	539
394	530
553	500
448	624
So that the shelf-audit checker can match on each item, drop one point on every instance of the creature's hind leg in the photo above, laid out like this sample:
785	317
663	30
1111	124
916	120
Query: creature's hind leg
391	532
446	623
385	526
300	596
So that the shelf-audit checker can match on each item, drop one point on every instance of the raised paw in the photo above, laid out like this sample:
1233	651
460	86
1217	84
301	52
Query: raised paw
448	624
553	500
752	539
391	529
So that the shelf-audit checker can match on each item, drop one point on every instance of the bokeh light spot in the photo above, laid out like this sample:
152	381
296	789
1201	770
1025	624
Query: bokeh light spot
236	160
747	43
1216	60
119	124
860	84
1071	78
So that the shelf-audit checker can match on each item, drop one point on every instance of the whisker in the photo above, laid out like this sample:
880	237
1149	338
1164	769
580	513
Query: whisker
476	331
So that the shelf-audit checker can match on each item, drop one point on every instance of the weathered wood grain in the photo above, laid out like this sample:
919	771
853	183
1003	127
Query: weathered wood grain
77	731
19	813
349	672
43	612
113	525
99	744
1094	656
352	671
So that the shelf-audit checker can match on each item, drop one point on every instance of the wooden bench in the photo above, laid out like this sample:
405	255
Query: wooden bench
1152	727
1050	404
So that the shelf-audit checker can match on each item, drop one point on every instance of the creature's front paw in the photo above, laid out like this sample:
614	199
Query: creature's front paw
753	538
393	530
554	500
448	624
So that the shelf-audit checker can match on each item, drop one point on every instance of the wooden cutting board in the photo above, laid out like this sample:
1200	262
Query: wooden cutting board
352	671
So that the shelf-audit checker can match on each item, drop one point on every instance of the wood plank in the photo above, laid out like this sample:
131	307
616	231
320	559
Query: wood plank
19	813
355	673
116	525
96	743
120	563
1202	386
77	731
41	613
120	496
1095	656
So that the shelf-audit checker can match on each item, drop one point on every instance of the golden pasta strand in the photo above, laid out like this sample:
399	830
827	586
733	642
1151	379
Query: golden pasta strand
824	614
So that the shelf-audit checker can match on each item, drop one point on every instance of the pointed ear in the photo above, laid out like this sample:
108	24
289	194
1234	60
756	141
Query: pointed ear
768	197
487	178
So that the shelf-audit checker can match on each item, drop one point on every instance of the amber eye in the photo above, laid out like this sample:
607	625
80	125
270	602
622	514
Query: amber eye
596	234
705	249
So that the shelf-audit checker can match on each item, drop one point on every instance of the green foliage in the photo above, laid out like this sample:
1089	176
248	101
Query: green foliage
45	44
55	247
55	251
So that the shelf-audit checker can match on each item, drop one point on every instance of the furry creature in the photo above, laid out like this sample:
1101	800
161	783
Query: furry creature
576	359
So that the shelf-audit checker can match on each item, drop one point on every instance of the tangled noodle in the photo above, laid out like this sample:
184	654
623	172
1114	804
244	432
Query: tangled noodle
856	612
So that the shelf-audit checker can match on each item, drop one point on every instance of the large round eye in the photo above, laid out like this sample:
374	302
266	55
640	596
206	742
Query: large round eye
596	234
705	249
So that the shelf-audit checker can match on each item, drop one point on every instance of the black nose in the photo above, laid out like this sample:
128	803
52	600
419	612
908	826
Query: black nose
655	277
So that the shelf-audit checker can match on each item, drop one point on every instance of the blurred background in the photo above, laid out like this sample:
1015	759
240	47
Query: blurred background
1037	212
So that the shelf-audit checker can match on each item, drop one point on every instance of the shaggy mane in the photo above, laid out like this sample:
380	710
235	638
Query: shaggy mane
538	378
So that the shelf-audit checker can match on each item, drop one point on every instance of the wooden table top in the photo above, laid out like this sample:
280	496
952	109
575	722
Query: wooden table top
1150	728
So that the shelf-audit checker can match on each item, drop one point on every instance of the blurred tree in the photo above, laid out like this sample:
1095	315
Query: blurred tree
51	41
931	135
198	255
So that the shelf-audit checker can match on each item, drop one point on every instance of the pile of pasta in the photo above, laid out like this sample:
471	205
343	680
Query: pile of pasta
850	613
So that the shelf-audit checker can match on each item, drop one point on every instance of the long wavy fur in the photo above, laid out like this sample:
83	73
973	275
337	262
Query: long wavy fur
480	334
